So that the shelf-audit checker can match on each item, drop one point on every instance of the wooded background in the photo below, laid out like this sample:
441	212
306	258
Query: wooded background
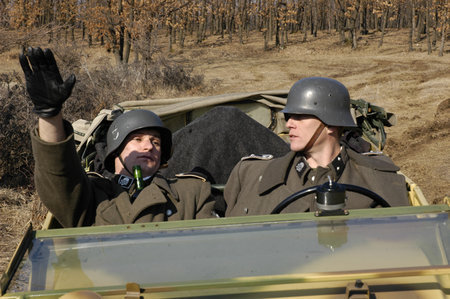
134	26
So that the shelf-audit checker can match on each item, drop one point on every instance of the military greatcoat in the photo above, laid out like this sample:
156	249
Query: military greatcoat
79	199
258	184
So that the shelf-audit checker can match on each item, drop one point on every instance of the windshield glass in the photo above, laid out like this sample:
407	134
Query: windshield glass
237	250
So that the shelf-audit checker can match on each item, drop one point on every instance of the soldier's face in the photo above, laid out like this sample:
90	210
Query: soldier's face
143	148
301	129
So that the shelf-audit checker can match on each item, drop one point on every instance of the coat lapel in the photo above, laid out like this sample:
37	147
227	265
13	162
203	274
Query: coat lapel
275	173
150	196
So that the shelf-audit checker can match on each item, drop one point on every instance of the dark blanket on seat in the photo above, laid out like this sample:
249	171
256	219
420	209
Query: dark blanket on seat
216	141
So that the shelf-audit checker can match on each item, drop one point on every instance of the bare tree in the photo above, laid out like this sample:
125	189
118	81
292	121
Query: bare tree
444	26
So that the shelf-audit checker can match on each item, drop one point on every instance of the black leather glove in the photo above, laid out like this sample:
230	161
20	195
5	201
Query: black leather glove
44	83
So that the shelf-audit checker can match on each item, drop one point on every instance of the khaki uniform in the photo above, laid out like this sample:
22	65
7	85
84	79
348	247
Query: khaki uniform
78	199
258	184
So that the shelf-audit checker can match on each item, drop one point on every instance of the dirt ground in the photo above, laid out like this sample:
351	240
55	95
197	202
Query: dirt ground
413	85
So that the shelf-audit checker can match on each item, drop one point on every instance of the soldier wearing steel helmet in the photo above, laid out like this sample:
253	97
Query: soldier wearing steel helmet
135	138
316	113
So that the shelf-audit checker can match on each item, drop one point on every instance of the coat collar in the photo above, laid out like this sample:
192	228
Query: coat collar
152	195
276	171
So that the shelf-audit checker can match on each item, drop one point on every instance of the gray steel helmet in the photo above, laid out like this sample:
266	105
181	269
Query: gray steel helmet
324	98
129	122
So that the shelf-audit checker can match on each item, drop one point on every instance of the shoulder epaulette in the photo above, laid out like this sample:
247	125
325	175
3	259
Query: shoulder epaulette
195	175
257	157
374	161
372	153
96	174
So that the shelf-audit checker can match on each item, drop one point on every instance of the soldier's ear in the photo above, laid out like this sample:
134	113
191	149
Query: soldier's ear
333	130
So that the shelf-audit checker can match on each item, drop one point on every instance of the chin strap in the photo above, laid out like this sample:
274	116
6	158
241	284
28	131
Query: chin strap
314	137
124	166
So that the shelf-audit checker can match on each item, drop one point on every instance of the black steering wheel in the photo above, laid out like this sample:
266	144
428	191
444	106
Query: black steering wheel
377	199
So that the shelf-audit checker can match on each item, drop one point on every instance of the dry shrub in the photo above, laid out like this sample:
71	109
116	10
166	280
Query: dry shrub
17	119
21	207
171	76
101	85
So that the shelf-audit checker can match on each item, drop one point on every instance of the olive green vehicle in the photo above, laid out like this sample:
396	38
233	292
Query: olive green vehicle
400	252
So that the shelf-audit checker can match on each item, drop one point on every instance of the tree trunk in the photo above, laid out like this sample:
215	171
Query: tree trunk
229	20
266	19
443	29
127	47
354	25
277	28
242	16
314	18
413	25
281	21
420	26
128	39
121	41
83	31
281	38
383	25
341	20
221	25
364	23
201	23
181	36
212	21
435	25
330	14
428	26
270	21
170	29
304	21
135	55
266	37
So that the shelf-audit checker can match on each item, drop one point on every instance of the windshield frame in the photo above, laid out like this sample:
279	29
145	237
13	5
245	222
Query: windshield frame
238	221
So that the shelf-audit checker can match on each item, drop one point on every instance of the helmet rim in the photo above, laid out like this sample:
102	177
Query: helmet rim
325	98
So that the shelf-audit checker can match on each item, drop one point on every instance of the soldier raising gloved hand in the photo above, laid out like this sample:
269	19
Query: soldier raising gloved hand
136	138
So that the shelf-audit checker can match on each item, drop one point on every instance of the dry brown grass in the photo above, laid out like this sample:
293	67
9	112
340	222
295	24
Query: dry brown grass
413	85
18	210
